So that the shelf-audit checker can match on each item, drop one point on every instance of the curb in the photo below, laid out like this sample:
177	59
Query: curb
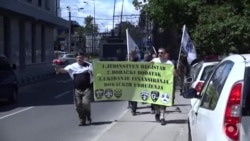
25	80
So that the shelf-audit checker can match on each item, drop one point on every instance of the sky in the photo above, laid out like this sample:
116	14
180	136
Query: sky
103	11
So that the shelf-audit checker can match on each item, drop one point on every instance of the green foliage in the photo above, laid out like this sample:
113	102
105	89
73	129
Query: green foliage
215	26
221	28
89	27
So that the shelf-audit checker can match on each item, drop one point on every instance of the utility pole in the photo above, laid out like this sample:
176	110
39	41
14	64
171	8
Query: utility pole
69	34
113	31
94	28
120	28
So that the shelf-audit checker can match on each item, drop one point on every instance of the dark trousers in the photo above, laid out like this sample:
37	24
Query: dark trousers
82	99
152	107
133	106
160	111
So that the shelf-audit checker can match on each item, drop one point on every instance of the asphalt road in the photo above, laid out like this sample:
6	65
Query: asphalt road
45	112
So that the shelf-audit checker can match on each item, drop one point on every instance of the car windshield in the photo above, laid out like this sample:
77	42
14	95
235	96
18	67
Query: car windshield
206	71
194	71
4	65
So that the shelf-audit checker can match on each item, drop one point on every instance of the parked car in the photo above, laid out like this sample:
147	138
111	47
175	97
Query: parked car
8	80
222	109
199	73
67	59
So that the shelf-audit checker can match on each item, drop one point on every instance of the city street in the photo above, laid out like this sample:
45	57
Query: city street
45	112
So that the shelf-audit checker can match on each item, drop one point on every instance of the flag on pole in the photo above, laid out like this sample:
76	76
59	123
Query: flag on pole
187	46
131	45
154	50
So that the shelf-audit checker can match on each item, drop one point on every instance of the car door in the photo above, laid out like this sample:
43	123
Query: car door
245	112
210	96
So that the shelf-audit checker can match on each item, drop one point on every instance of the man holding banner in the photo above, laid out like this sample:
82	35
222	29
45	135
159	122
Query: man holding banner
133	104
163	57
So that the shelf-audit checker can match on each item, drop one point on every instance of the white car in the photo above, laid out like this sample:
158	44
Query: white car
199	73
221	111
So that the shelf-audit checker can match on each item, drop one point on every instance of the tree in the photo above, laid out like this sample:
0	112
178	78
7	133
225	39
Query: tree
215	26
223	26
170	13
82	40
89	25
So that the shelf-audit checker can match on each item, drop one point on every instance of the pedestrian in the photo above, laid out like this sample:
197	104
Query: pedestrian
82	73
133	104
148	58
160	110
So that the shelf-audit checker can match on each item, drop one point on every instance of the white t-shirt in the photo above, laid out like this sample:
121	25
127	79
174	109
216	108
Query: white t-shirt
75	68
165	61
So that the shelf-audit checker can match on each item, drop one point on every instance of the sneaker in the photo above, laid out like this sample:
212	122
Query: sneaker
133	113
82	124
157	118
89	120
152	111
163	122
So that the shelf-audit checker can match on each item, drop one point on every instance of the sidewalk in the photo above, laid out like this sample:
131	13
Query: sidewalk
143	127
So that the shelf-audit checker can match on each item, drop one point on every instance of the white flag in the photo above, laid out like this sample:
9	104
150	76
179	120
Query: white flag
188	46
131	45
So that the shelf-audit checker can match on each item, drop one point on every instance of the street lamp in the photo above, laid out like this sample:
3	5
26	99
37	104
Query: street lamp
69	34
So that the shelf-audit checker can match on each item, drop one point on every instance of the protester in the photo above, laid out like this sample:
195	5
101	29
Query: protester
163	57
133	104
82	73
148	58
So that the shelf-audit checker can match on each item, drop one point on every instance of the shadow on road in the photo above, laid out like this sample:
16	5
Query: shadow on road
143	107
177	105
101	122
177	121
143	113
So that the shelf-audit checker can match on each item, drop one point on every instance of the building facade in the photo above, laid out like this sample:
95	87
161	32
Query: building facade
27	30
94	41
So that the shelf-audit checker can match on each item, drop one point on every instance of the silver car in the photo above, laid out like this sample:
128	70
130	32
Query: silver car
67	59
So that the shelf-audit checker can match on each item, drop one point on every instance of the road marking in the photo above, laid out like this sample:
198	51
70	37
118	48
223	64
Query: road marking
110	126
62	94
17	112
64	81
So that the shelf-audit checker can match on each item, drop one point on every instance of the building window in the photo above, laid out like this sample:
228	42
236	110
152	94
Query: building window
40	3
47	4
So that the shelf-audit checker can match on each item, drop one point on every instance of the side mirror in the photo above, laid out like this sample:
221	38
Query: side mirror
189	80
14	66
190	93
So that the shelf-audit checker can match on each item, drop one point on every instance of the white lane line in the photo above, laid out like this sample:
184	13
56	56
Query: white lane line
62	94
17	112
110	126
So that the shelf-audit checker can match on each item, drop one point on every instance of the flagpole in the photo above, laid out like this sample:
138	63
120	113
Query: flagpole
127	44
154	50
183	30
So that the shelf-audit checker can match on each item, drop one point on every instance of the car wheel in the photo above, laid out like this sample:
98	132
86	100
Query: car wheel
189	133
13	97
